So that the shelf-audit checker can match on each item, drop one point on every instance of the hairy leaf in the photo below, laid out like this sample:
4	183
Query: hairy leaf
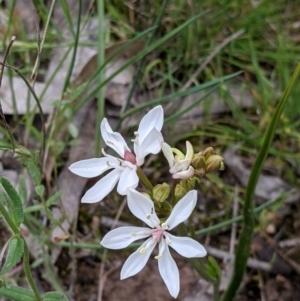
14	203
16	293
14	253
54	296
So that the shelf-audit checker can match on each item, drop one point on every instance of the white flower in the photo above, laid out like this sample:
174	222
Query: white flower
143	208
148	140
180	165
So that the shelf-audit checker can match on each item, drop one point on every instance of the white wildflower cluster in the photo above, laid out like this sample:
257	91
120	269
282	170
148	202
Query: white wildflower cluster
125	171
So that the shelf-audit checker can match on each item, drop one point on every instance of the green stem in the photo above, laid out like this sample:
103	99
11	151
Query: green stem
144	179
216	294
28	274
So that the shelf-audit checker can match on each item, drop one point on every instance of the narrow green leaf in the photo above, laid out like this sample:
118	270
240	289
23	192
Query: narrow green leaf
213	268
15	208
53	198
14	253
54	296
16	293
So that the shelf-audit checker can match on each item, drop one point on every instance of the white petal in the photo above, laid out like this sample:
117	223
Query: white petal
187	246
102	188
92	167
122	237
180	165
128	179
150	145
136	261
182	209
113	139
186	174
189	151
168	269
153	119
168	153
142	207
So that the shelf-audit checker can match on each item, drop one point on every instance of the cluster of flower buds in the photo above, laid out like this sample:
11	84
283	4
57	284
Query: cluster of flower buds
207	162
186	169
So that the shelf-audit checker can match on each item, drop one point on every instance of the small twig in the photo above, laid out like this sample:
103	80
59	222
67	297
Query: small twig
288	243
2	66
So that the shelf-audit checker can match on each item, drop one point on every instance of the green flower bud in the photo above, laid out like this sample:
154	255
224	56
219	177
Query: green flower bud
209	151
214	163
198	161
188	184
180	191
161	192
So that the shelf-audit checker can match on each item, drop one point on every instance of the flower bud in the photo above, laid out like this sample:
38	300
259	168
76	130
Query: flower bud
189	184
180	191
198	161
214	163
209	151
161	192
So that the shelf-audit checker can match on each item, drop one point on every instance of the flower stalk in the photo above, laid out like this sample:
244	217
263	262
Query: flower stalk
144	179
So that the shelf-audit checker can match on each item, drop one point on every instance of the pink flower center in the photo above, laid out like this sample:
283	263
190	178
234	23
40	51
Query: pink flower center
129	156
157	235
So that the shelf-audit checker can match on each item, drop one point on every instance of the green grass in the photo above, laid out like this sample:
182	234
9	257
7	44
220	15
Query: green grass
177	43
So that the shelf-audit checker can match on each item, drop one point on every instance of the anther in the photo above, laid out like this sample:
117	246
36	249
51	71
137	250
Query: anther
164	226
142	250
158	256
148	216
133	234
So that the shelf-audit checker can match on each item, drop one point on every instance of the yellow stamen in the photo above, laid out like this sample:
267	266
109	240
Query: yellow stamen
142	250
